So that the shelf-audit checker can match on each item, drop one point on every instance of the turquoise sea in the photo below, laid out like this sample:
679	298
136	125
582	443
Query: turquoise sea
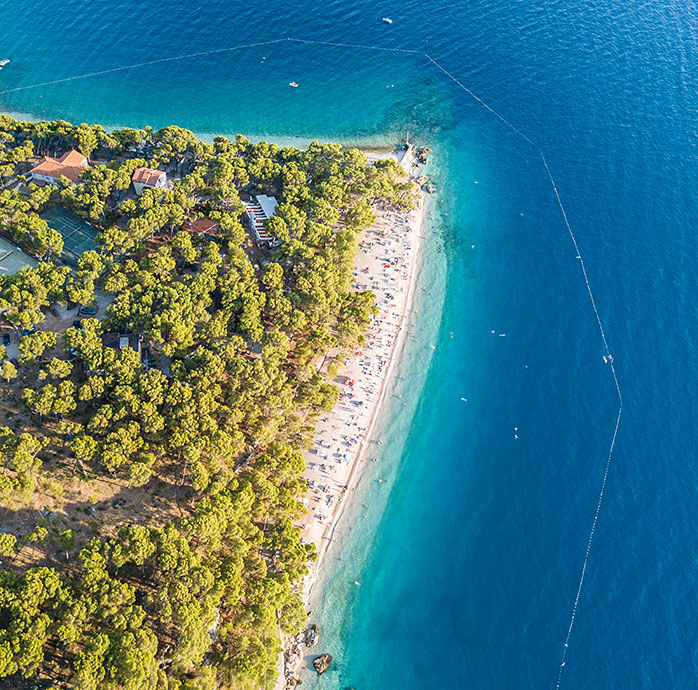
469	553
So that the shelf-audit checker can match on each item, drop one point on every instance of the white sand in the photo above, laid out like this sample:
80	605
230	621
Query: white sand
389	249
386	265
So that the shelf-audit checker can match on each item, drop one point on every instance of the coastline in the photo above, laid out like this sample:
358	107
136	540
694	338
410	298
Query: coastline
350	367
386	263
374	147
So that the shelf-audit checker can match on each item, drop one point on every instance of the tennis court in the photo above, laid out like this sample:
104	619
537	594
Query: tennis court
13	258
78	235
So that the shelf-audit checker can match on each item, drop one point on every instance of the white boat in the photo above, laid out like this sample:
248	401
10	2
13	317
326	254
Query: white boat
387	20
3	63
293	84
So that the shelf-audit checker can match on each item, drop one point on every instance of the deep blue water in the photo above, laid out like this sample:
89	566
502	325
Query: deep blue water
470	552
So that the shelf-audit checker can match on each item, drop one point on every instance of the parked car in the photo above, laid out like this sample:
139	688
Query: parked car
29	331
77	324
6	339
89	311
15	361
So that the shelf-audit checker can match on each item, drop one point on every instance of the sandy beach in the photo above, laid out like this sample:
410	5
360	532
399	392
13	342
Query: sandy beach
385	264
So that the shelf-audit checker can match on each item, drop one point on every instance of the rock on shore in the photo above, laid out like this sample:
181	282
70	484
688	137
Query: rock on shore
312	636
421	155
322	663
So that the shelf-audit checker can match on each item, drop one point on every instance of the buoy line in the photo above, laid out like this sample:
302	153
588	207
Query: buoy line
607	358
143	64
202	54
607	355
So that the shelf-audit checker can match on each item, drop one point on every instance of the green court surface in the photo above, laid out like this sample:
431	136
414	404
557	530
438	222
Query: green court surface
78	235
12	258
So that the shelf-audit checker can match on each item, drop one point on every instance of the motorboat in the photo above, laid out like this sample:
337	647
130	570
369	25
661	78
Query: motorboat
3	63
387	20
294	84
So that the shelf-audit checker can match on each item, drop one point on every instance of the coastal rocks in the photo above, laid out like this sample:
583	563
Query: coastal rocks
422	181
422	155
293	654
322	663
292	681
312	636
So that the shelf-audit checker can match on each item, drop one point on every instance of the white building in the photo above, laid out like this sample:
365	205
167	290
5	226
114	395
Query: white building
147	178
50	170
257	213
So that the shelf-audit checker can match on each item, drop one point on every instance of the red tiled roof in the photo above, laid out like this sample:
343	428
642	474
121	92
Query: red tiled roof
55	167
72	158
147	176
204	225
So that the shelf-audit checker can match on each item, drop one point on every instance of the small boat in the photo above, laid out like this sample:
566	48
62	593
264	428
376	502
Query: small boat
294	84
3	63
387	20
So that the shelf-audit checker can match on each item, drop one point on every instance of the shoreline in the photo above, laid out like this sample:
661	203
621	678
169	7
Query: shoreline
376	145
395	349
341	441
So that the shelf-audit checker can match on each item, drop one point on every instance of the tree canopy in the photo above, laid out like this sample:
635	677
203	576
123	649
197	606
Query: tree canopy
201	376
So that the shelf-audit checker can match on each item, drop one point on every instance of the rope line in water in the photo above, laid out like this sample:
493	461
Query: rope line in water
356	45
563	656
607	357
480	101
202	54
144	64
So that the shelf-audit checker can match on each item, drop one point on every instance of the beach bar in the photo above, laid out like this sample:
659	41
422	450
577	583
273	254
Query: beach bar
257	212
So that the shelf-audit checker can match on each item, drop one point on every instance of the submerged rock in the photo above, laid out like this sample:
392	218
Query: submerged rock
322	663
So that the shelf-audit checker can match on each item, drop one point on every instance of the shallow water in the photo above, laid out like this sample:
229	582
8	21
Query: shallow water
469	555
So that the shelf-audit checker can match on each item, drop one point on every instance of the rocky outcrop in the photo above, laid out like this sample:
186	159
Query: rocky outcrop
421	155
292	681
312	636
429	188
322	663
